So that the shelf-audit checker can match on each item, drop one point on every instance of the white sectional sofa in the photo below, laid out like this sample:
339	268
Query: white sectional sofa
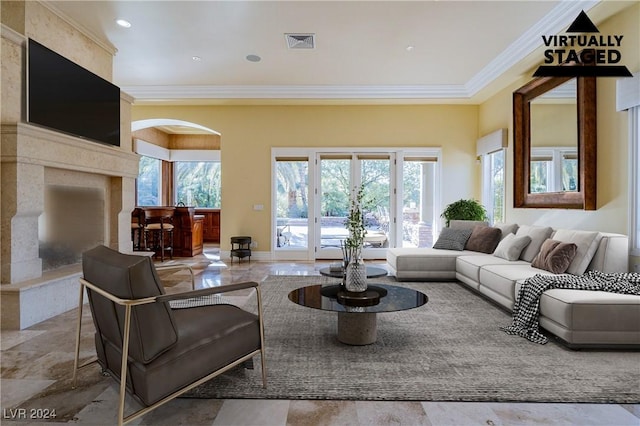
579	318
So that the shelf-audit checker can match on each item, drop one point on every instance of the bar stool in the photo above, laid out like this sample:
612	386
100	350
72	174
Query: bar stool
158	227
137	228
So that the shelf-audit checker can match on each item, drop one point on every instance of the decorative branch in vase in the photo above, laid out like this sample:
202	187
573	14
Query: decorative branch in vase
352	247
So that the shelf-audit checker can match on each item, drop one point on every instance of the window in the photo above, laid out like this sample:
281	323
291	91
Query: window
493	185
197	183
418	201
149	182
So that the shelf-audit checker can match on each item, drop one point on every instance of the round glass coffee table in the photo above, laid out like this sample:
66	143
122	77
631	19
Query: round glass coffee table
357	321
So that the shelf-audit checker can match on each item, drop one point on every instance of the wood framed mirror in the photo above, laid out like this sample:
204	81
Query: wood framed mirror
561	175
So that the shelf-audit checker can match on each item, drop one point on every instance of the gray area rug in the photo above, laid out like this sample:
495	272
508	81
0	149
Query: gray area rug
448	350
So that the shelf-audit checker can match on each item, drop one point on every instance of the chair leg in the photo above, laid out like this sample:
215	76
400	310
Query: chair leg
263	363
78	331
161	236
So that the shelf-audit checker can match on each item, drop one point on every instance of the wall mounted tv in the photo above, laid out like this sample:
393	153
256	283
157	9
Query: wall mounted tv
64	96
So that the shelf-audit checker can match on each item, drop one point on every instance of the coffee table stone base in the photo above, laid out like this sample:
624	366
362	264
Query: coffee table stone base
357	328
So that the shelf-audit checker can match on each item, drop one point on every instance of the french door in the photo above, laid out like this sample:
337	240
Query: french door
313	190
340	176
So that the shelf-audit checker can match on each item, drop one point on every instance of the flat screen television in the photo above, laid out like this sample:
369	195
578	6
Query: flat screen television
64	96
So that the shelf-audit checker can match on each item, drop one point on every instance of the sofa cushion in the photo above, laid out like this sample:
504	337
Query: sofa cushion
420	264
537	234
506	228
452	239
466	224
511	247
612	254
502	279
587	243
483	239
469	265
555	256
588	317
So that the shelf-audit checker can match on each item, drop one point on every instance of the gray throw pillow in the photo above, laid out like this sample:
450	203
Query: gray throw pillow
511	246
506	228
587	243
452	239
484	239
538	235
555	256
466	224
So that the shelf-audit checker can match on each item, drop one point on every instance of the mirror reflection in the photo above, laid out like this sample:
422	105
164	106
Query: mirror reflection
554	140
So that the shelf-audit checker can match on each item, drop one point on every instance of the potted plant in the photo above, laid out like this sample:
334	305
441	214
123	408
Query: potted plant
464	210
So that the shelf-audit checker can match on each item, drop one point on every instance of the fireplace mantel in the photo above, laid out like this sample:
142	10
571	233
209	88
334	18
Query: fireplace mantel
25	143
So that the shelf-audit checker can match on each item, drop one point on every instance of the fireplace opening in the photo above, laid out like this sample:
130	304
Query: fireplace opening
73	222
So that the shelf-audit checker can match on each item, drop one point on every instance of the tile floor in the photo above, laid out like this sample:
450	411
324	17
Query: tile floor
36	366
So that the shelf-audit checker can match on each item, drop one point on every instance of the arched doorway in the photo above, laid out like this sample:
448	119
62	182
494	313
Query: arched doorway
180	165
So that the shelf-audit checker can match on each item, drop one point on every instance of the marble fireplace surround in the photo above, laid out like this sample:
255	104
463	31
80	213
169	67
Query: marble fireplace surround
33	159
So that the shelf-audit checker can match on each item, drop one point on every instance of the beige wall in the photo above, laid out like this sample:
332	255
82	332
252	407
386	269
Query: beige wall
249	133
613	180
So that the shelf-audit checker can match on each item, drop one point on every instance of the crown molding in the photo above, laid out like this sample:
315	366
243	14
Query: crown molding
296	92
552	23
110	48
12	35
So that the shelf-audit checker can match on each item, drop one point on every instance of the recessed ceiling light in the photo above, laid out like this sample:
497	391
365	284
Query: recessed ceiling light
123	23
196	58
253	58
410	48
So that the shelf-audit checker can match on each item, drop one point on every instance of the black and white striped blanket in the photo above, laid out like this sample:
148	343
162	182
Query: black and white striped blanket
527	307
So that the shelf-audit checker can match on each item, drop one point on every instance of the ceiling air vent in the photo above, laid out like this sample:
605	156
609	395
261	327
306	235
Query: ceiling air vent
300	41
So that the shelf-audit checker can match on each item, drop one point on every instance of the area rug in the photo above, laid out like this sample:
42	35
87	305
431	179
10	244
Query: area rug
451	349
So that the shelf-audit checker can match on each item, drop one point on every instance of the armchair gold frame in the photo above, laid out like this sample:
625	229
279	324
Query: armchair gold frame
128	305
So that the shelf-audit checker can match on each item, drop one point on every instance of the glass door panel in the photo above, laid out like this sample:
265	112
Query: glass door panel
418	202
292	199
375	175
334	191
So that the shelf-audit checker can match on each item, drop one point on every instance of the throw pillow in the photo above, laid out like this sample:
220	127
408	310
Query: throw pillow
483	239
452	239
466	224
506	228
538	235
555	256
587	242
511	246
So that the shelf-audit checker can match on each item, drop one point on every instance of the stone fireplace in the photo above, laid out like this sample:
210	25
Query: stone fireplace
60	196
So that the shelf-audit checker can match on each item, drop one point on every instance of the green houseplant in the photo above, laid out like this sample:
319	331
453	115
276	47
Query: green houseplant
464	210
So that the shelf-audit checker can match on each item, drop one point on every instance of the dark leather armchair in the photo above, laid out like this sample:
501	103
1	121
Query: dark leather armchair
162	352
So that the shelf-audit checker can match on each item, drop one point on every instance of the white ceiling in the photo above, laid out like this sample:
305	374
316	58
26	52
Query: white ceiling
461	49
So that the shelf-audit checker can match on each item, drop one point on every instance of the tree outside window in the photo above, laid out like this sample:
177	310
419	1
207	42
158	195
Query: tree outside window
197	183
